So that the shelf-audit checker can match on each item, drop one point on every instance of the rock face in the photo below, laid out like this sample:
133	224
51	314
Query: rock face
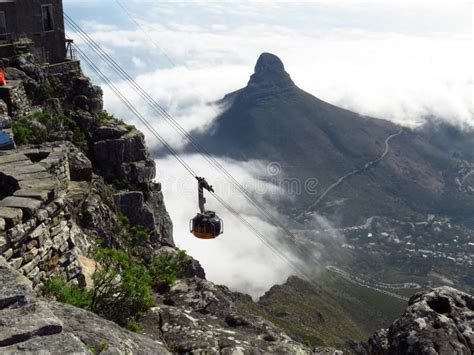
30	325
270	72
126	149
207	315
440	321
147	208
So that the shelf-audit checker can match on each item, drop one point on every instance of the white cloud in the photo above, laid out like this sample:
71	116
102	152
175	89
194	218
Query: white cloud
399	77
139	64
238	258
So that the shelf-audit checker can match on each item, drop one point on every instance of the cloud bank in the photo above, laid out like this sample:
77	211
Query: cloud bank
403	77
239	258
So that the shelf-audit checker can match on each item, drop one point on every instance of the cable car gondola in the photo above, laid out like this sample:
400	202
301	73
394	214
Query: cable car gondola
206	224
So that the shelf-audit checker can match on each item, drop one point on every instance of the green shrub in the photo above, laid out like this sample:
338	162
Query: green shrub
122	290
103	345
103	117
21	133
67	293
135	234
133	326
168	267
36	128
123	219
174	346
29	129
127	185
45	91
79	138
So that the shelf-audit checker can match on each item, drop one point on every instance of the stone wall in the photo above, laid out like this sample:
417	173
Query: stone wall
64	67
15	96
47	244
38	235
21	103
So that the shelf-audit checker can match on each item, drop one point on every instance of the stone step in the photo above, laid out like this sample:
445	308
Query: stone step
41	184
28	205
12	216
78	190
38	194
9	158
15	164
23	169
42	175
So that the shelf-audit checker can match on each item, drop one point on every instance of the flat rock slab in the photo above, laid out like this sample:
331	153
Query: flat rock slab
9	158
43	184
12	216
93	330
63	343
42	175
21	324
28	205
15	164
24	169
14	287
37	194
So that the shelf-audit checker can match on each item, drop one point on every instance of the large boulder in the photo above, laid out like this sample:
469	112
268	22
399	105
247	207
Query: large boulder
439	321
147	208
110	154
80	167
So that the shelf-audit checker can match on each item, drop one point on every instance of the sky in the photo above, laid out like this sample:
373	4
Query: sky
402	60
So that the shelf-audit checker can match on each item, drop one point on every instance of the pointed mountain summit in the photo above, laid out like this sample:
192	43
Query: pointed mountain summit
271	119
270	71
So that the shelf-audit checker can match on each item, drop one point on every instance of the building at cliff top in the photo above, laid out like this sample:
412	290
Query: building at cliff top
36	26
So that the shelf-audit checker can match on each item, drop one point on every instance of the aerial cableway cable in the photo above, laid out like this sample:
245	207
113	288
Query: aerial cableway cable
172	151
163	112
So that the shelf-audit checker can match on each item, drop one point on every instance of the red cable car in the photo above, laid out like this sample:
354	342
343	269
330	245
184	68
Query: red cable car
206	224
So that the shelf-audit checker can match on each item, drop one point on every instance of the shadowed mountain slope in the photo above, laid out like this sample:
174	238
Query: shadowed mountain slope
365	166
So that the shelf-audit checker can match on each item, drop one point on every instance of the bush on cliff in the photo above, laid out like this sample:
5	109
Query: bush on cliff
67	293
121	291
40	127
168	267
135	233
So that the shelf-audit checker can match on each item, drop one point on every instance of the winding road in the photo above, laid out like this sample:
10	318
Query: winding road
354	172
382	288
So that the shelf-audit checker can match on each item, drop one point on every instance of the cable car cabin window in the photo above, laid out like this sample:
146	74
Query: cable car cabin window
47	15
3	27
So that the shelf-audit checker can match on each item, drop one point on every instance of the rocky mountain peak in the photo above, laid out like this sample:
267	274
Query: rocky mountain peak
270	71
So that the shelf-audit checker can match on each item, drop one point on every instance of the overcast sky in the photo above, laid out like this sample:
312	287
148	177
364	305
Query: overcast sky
401	60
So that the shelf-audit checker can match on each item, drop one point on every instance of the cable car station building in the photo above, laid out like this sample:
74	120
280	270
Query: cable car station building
33	25
30	26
